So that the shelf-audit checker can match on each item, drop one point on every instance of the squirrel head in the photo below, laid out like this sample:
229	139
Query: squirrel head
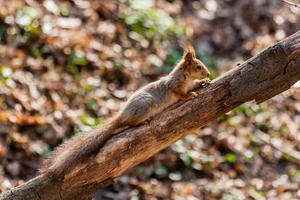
192	65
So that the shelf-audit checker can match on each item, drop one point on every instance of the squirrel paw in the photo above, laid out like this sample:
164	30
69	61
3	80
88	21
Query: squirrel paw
206	80
192	95
187	96
202	82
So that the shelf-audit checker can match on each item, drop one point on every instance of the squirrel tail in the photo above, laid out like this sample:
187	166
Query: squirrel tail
78	148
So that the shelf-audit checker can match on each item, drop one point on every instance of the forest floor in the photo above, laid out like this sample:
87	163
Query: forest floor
66	66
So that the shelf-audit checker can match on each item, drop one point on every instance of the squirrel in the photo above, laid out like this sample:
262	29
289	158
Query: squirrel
141	106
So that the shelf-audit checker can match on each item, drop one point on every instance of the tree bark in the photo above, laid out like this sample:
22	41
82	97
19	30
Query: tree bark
267	74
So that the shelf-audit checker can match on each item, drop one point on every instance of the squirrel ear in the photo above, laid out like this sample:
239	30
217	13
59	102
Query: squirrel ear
188	57
189	52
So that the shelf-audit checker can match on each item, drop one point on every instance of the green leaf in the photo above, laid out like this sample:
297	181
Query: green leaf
47	150
90	121
175	176
92	105
2	31
161	171
230	157
187	160
41	129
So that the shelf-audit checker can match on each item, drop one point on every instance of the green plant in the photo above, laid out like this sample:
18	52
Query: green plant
74	61
92	105
150	22
5	75
27	20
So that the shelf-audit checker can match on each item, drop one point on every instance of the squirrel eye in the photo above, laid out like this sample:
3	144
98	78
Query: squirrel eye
199	67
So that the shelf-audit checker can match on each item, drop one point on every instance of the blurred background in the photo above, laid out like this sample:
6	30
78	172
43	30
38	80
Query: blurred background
66	66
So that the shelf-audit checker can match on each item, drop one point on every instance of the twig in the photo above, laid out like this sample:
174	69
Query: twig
291	3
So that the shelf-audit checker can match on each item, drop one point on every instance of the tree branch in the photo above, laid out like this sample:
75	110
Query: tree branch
269	73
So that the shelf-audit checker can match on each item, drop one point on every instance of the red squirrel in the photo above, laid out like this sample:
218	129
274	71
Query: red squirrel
142	105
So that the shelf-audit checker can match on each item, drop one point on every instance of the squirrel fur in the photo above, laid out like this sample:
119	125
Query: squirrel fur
143	104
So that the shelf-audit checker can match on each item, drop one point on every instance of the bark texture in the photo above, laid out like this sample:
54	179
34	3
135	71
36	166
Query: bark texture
267	74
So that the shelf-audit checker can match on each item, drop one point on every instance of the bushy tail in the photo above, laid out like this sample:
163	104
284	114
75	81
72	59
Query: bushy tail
78	148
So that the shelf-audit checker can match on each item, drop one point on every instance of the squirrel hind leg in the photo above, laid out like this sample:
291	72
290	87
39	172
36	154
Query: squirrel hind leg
136	115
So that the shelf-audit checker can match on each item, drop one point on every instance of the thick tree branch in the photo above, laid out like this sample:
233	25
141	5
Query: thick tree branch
269	73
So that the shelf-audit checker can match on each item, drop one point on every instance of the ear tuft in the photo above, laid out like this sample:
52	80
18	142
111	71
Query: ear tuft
189	52
188	57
